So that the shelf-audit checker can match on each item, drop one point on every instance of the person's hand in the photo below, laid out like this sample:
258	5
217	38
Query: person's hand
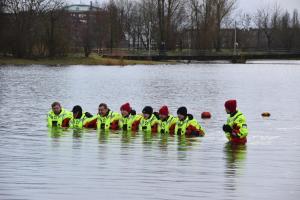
227	128
234	134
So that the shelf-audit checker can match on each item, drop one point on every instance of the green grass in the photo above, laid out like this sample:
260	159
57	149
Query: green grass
93	59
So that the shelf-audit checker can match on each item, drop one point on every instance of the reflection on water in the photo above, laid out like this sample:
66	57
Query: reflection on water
56	132
235	157
103	136
37	163
163	141
185	143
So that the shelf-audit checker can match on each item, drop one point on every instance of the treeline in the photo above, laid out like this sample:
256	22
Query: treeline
47	28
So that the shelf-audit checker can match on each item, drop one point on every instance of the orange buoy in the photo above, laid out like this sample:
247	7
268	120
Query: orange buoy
206	115
266	114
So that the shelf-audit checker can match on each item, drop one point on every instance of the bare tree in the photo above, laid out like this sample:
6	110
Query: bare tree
223	9
267	21
27	28
55	28
202	17
161	22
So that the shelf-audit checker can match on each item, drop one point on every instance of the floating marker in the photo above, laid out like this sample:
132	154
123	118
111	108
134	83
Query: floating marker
206	115
266	114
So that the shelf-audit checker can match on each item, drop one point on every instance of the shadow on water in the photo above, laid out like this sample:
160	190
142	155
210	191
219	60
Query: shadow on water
235	156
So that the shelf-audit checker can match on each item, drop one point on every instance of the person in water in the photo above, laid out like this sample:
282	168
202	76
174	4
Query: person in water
167	122
105	119
187	125
149	121
58	116
79	118
130	120
235	129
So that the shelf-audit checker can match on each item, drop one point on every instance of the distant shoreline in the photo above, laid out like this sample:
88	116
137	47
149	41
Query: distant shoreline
78	60
95	59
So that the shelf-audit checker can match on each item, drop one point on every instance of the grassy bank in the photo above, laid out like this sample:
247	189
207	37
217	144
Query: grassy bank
93	59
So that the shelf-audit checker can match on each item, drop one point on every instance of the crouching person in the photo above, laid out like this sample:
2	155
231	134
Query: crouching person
187	125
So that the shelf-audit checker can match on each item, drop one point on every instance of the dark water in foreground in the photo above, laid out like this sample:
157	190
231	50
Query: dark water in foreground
35	164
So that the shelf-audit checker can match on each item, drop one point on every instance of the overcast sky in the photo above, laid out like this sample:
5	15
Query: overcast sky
245	5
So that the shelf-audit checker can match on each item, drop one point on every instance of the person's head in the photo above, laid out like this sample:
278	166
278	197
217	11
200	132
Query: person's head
163	112
56	107
230	106
77	111
147	112
103	109
125	109
182	113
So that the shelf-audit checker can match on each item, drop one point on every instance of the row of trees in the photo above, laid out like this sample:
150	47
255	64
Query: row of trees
31	28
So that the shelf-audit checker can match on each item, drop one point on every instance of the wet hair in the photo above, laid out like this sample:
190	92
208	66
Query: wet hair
55	104
103	105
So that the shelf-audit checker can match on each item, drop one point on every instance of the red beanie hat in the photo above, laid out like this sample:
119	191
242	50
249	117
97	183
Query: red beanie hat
230	105
126	107
164	110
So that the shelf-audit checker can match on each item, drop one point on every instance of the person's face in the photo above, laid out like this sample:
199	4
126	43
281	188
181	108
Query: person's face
75	114
227	111
181	117
146	115
124	113
163	117
56	109
102	110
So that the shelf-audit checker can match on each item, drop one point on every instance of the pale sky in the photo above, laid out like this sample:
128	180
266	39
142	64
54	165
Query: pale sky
249	6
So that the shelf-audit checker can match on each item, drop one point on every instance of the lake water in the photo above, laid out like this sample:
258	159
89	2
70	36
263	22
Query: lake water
36	163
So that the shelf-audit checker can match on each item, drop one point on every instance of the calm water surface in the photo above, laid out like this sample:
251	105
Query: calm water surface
36	163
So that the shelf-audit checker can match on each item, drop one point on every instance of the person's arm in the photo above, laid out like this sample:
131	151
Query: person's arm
49	120
173	125
65	122
194	129
239	127
114	124
154	128
91	122
154	125
136	123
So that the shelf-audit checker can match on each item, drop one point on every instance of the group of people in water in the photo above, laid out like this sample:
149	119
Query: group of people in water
149	121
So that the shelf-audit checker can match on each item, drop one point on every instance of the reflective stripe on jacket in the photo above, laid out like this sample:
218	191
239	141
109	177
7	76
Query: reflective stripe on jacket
150	124
110	121
239	128
167	126
130	123
61	120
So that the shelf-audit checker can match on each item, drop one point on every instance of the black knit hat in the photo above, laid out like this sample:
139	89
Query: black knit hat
182	111
148	110
77	109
